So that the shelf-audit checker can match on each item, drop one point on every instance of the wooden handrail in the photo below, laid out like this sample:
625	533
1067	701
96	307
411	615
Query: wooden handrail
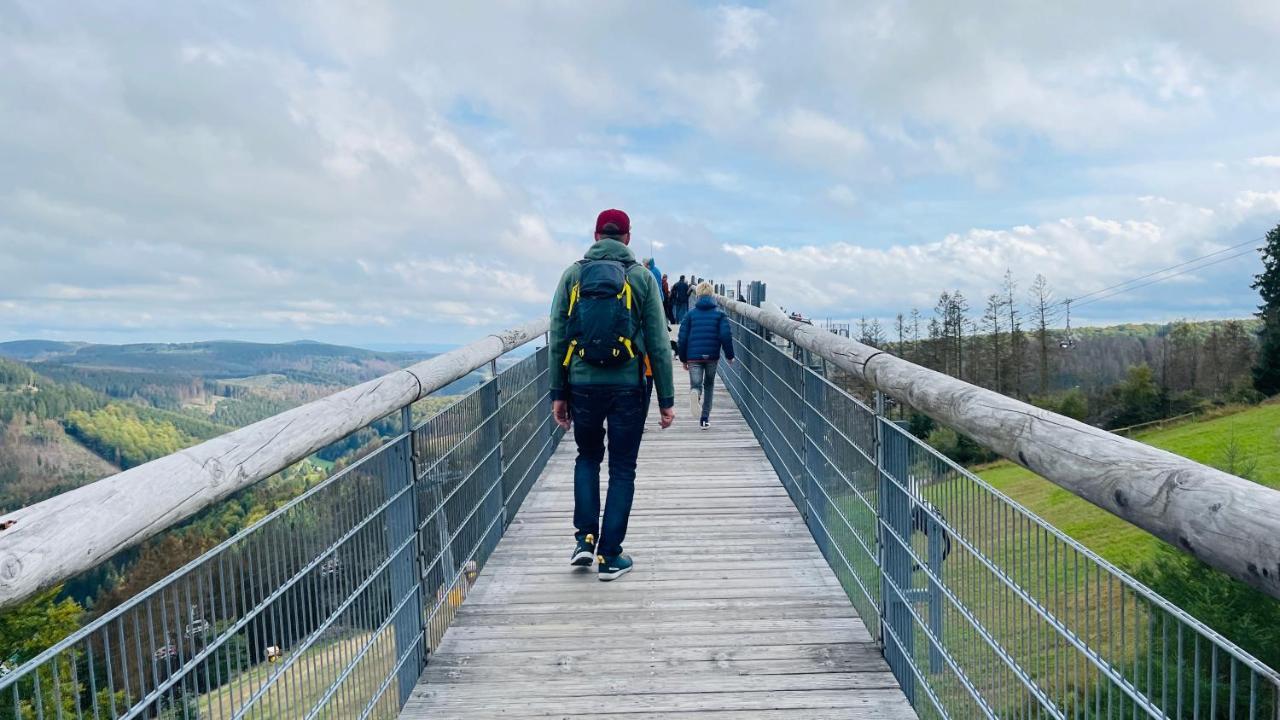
51	541
1226	521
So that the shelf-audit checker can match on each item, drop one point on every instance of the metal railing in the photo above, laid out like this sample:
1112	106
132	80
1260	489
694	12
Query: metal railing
327	607
982	609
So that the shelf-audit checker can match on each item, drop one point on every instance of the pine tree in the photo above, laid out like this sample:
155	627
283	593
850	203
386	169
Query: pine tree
1017	338
1266	371
1182	350
1043	314
1215	362
1238	352
991	326
932	358
942	312
959	321
875	334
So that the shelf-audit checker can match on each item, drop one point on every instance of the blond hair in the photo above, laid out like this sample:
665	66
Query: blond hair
704	288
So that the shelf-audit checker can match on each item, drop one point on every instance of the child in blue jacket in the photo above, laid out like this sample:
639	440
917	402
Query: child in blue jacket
704	333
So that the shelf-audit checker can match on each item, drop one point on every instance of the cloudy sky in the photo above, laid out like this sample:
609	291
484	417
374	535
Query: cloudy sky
421	172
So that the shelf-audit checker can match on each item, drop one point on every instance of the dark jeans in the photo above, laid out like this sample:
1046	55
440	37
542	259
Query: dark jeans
615	412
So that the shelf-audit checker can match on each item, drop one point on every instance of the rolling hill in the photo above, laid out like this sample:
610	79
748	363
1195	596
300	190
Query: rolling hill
306	361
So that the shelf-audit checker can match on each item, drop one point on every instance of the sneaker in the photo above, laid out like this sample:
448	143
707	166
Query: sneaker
585	552
612	568
705	423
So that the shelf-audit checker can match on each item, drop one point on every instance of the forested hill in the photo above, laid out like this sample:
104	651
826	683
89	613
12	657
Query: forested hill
72	413
304	361
1101	356
36	349
63	403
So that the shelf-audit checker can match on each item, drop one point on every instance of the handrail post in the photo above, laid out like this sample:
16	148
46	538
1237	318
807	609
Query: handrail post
405	572
881	499
808	425
499	433
491	404
898	641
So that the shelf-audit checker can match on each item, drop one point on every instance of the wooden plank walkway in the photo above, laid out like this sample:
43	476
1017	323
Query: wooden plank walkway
730	612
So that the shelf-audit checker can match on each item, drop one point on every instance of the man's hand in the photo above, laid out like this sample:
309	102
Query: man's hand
668	417
686	366
560	412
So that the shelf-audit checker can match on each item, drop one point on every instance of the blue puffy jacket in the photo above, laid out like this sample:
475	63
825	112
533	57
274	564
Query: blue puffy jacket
703	332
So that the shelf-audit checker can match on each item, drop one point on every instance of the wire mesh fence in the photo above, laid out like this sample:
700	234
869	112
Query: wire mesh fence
982	609
328	607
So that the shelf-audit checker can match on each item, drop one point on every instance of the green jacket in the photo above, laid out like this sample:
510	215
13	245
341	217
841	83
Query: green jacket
654	339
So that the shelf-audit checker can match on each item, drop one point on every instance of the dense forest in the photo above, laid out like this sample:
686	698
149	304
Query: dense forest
1113	377
117	433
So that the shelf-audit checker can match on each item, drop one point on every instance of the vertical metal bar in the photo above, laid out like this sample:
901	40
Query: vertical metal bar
57	688
39	698
809	457
498	433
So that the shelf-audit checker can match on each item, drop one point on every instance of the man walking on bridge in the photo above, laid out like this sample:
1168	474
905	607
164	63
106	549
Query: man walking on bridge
680	299
607	328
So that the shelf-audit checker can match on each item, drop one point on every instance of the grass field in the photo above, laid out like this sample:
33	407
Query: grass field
293	691
1256	432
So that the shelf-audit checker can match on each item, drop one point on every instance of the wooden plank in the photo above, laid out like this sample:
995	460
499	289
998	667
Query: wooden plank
671	636
51	541
459	691
668	605
553	595
849	656
731	611
665	613
877	703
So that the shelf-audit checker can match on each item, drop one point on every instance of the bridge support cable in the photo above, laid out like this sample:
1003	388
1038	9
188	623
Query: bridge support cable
981	608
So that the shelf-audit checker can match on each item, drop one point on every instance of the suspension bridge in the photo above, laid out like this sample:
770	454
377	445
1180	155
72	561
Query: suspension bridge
806	557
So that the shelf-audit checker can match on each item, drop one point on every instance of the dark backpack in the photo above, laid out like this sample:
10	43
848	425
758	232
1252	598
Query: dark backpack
602	328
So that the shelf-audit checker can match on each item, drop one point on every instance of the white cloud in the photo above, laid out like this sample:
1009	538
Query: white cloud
1079	255
648	167
842	196
229	167
740	29
817	138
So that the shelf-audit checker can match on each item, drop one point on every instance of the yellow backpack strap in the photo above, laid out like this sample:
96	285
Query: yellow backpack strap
626	291
569	354
573	297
